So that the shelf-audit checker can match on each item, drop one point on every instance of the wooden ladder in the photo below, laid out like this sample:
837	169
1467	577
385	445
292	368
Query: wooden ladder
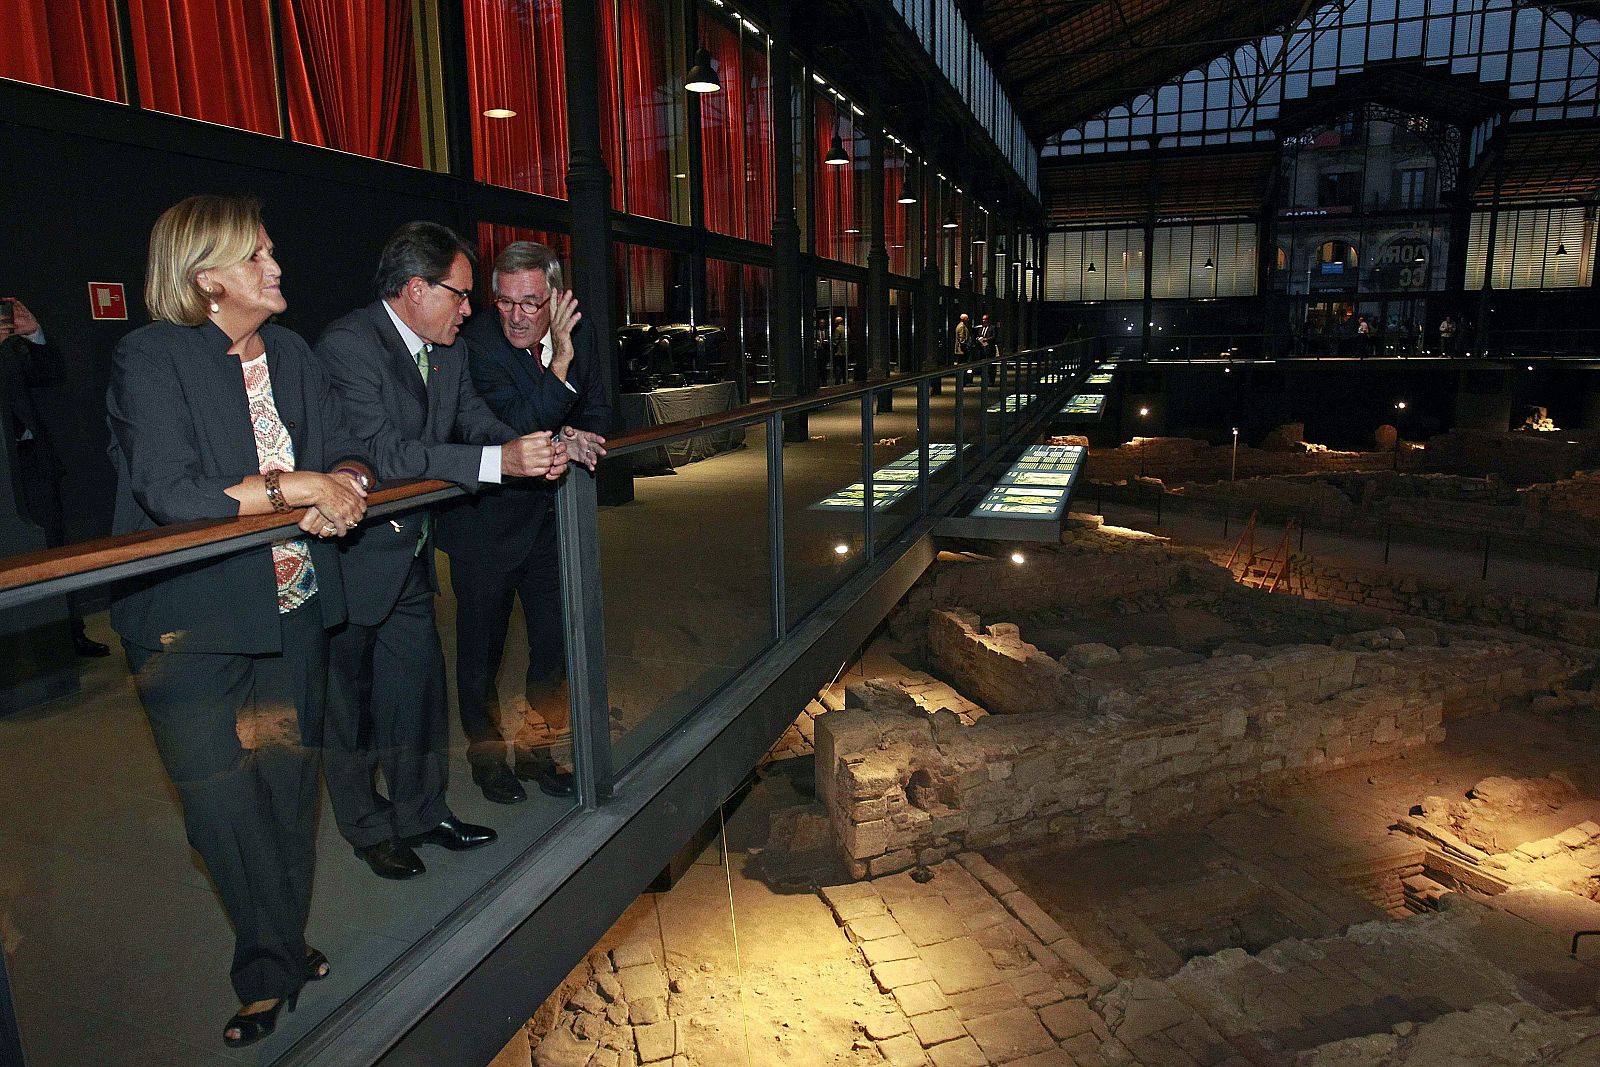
1247	535
1267	573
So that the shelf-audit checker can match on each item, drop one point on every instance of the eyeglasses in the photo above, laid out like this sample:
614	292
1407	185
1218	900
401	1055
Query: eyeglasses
460	295
529	307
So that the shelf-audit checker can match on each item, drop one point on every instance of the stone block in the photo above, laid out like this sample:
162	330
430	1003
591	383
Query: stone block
632	954
885	1025
928	920
642	981
902	1051
887	950
608	987
1070	1018
937	1027
865	839
921	998
872	927
962	1052
656	1042
1010	1035
976	1003
562	1048
960	965
1033	917
897	973
647	1010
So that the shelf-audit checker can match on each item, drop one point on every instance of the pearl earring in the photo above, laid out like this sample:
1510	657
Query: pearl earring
215	307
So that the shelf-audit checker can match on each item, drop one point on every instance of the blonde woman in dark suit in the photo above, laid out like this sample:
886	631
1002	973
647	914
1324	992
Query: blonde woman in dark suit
216	413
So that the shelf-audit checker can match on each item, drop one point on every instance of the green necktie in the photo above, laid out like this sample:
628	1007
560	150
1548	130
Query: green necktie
421	356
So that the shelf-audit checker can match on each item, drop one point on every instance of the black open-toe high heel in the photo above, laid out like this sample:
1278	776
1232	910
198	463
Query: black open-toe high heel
256	1025
317	967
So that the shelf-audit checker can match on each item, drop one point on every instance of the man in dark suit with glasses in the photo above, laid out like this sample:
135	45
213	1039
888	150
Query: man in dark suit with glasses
535	374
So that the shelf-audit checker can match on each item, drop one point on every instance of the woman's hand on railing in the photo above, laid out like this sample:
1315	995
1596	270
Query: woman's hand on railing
334	502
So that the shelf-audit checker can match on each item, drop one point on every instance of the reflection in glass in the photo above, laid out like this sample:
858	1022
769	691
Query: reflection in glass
642	113
686	569
896	461
823	543
516	86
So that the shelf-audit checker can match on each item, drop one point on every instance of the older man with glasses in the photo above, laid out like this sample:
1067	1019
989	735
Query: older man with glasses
535	374
403	381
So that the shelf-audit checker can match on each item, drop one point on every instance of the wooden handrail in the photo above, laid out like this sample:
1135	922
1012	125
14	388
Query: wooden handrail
104	552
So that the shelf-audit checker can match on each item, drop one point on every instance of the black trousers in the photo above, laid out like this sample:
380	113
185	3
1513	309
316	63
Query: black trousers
484	591
386	709
248	812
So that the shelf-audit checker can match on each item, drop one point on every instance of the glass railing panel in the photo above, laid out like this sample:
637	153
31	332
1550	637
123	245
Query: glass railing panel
117	942
896	462
975	398
946	447
824	521
686	570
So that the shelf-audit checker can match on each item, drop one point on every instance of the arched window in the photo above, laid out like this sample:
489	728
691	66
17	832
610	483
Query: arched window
1336	259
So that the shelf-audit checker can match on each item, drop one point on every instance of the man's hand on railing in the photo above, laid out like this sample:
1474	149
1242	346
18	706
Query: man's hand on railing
583	446
534	455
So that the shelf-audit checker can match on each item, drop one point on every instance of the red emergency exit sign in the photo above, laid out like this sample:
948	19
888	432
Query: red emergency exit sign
106	301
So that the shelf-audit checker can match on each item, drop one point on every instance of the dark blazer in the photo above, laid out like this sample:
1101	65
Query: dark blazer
413	430
502	522
24	367
180	437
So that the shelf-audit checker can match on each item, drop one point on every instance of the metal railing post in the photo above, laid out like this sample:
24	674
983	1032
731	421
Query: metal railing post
780	610
868	446
578	525
922	453
961	428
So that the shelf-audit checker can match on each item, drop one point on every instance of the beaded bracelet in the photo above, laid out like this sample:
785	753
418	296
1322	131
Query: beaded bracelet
274	493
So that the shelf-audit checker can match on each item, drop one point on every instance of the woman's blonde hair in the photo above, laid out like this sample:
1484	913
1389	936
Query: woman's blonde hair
200	233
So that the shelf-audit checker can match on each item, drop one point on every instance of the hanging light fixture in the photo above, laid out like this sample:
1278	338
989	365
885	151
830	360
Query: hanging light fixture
1561	249
949	220
1091	270
837	156
702	77
1210	265
906	195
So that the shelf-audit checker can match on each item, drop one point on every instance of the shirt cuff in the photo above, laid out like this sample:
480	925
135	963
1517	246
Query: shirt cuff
37	336
570	389
489	465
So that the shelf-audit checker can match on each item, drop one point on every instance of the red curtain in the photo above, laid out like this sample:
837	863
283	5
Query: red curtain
722	149
60	43
641	107
351	69
515	62
206	60
835	207
736	134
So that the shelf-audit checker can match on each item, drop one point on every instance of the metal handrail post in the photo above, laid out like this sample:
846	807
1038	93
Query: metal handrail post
578	548
780	608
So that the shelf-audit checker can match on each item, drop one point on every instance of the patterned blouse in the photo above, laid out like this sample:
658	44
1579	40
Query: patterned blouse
291	558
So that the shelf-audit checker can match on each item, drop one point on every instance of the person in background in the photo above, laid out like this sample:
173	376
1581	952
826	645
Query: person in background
27	362
841	352
404	384
215	413
524	362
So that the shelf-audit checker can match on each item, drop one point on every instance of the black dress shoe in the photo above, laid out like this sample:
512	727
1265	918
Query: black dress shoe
88	647
499	785
551	782
392	859
453	834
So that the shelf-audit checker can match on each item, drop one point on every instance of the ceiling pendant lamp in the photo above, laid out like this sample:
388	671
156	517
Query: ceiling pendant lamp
837	156
1091	269
906	195
702	77
1210	265
1561	249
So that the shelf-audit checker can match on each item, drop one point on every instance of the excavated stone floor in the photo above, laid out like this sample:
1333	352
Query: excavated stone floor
1414	911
